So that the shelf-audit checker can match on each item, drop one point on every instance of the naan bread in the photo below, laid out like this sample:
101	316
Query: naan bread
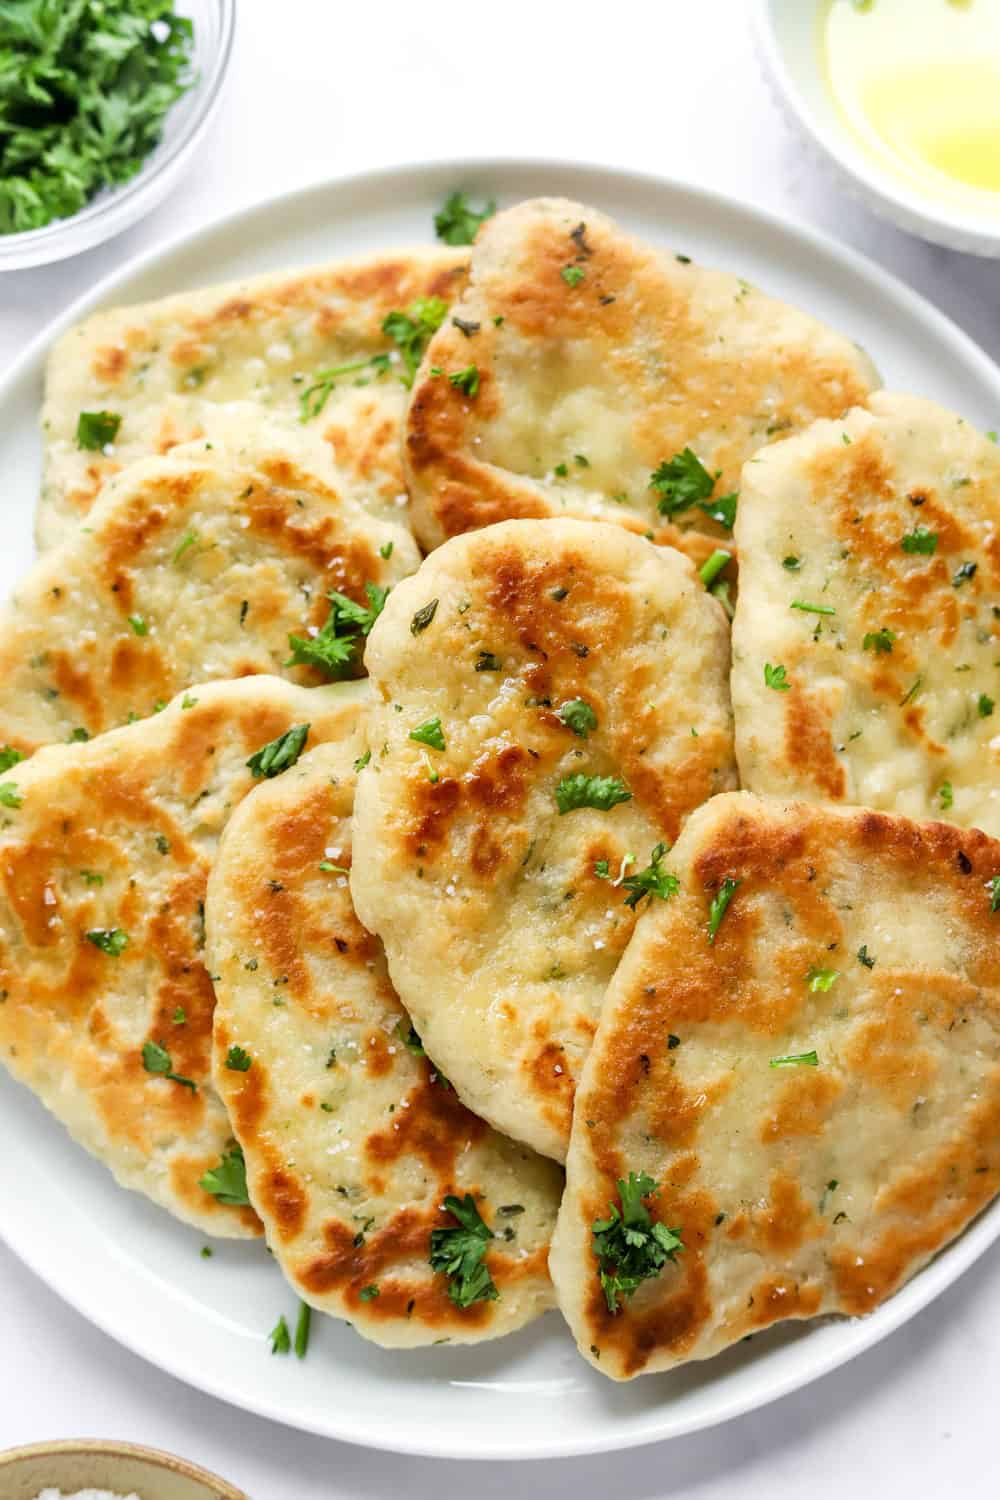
352	1139
163	365
551	652
105	851
194	566
598	359
889	522
816	1094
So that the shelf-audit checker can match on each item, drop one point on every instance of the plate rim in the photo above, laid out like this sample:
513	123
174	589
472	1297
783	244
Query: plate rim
956	1258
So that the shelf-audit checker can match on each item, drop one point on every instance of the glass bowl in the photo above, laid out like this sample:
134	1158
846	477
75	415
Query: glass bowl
114	209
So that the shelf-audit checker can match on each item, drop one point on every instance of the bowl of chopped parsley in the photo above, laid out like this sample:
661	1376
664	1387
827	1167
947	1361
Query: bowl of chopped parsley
102	103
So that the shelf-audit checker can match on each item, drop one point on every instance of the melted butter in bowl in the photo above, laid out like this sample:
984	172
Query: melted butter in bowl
917	82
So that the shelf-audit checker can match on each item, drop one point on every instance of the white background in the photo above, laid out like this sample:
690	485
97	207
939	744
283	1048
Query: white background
318	88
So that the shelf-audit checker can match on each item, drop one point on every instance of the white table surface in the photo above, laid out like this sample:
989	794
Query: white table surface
320	88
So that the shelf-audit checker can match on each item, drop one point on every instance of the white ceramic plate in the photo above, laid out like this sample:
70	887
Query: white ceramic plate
139	1275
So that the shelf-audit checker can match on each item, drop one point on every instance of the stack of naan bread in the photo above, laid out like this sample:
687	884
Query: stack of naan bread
346	896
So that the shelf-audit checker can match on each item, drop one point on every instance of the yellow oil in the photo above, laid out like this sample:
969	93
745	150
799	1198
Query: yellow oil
918	84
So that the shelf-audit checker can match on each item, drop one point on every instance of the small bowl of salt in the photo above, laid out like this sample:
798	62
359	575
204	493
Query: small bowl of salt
82	1470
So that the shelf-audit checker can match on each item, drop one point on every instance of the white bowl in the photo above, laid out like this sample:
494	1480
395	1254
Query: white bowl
787	35
115	209
122	1468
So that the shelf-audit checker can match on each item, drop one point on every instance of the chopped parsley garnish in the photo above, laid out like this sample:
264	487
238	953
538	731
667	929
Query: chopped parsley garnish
410	1037
302	1326
572	275
911	692
864	957
156	1059
334	649
315	396
581	790
9	794
795	1060
487	662
578	716
812	609
94	429
179	1016
9	757
86	88
791	563
466	381
993	886
238	1060
281	1340
362	761
654	880
985	705
722	510
276	756
713	566
138	625
962	572
423	617
228	1181
720	904
78	736
776	677
821	980
457	222
429	733
411	331
920	540
458	1253
111	940
385	550
369	1293
879	640
946	795
91	877
680	482
630	1247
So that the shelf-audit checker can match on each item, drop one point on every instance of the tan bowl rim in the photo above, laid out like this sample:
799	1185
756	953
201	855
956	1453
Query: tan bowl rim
106	1446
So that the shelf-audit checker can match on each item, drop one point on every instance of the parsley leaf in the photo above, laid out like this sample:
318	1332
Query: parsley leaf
457	221
228	1181
238	1060
156	1059
466	381
9	757
429	733
920	540
864	957
334	649
821	980
276	756
812	609
9	794
423	617
985	705
95	429
630	1247
720	904
581	790
411	331
879	640
578	716
993	886
86	88
458	1252
946	795
774	677
796	1059
572	275
654	880
722	510
110	940
680	482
